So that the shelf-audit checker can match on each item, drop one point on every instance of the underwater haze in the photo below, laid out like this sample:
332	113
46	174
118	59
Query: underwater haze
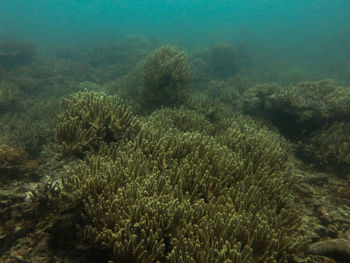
308	33
175	131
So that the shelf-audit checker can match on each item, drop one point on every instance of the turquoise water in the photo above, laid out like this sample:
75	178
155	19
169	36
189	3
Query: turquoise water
312	33
65	69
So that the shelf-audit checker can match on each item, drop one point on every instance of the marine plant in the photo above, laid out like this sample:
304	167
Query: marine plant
171	193
166	79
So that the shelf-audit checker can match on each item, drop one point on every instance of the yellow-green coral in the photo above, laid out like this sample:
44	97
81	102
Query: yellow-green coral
212	109
183	119
166	77
330	145
169	194
226	92
312	101
89	118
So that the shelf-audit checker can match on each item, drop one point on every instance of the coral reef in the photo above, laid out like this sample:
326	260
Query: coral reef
26	133
14	163
172	193
336	248
183	119
312	114
212	109
9	96
88	118
45	197
299	110
330	145
166	77
225	92
15	53
192	182
254	99
31	128
312	101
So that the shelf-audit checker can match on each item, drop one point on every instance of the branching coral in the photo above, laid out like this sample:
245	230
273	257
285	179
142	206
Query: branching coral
339	101
174	194
212	109
330	145
310	101
255	98
184	119
299	110
88	118
226	92
166	78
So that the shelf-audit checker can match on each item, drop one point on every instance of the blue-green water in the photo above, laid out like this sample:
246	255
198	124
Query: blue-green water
311	30
237	149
